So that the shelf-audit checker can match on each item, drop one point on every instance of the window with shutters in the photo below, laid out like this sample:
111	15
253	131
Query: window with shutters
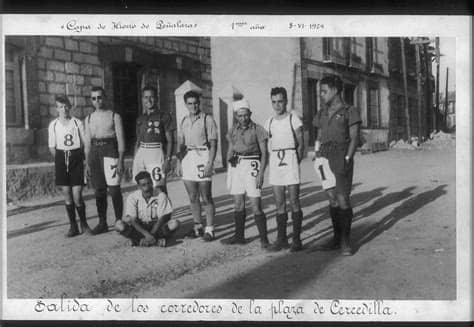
373	108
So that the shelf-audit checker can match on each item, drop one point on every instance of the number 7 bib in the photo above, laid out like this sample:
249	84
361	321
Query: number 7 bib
112	177
324	172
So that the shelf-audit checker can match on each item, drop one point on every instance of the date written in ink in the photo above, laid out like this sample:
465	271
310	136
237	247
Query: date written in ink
245	25
304	26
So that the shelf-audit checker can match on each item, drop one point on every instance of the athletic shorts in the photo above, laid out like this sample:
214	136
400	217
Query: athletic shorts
284	167
193	164
243	178
344	180
324	172
103	161
69	167
150	159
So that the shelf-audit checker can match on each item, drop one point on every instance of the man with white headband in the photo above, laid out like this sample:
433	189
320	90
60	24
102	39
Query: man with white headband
247	157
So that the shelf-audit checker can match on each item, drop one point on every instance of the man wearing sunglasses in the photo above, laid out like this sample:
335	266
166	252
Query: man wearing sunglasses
104	150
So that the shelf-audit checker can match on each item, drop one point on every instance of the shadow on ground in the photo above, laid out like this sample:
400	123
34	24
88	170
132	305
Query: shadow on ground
302	267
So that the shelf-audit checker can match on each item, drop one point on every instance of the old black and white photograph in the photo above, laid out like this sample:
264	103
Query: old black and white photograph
219	167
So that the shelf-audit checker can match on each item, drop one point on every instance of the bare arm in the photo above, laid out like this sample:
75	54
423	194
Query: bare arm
120	136
230	150
354	131
140	229
299	139
264	159
170	141
87	145
52	151
161	222
212	151
317	144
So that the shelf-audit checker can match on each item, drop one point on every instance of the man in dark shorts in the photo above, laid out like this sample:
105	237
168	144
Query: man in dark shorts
338	127
154	140
104	149
147	215
66	142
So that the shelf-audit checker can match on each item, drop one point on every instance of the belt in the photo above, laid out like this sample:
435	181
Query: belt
104	141
283	149
251	157
197	148
150	145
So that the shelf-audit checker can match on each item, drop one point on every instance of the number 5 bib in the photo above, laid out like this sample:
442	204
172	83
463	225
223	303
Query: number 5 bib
324	172
193	164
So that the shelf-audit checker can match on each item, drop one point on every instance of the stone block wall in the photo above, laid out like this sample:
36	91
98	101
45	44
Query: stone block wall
71	65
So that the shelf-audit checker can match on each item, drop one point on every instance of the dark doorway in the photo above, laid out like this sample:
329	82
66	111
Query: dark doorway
349	94
127	99
313	105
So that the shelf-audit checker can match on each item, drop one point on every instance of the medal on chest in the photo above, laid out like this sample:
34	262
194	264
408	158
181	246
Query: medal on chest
153	127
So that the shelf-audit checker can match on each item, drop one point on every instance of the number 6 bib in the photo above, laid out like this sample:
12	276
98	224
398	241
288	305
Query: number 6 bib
321	166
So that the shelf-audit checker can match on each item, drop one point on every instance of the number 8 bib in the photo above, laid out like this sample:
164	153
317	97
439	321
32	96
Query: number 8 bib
324	172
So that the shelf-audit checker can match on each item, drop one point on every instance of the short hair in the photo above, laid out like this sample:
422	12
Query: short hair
142	175
191	94
333	81
63	99
279	90
150	88
98	88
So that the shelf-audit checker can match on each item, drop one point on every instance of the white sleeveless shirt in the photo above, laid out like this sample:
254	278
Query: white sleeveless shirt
65	137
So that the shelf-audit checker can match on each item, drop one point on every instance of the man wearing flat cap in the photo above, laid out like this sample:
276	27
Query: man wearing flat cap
247	156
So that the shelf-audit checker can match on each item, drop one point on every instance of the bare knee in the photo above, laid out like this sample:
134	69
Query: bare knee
343	201
295	205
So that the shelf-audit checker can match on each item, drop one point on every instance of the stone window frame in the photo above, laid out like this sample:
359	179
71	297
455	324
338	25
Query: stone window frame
18	67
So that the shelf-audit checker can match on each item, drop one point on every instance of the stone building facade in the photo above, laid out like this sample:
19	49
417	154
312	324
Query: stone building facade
250	67
40	67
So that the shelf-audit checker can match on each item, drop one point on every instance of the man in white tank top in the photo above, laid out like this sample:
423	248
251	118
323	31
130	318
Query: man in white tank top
286	151
104	149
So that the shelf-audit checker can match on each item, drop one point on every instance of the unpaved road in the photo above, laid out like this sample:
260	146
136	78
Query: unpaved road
404	233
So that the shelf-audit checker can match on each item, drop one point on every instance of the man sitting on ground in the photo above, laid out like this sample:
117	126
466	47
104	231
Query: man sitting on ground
148	215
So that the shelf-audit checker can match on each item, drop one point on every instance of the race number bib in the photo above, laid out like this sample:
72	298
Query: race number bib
324	172
156	172
112	177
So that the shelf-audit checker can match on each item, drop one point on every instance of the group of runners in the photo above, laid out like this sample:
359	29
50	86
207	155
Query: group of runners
278	145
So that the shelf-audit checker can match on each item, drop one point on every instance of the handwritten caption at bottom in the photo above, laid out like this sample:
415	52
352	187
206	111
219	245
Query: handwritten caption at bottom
218	309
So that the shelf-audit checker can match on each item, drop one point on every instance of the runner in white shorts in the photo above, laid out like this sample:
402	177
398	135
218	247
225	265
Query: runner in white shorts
154	140
247	158
197	144
286	151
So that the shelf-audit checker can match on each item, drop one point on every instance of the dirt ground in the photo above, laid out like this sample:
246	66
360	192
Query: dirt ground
403	233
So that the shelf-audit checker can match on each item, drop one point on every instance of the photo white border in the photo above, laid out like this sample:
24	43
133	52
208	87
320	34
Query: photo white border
277	26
